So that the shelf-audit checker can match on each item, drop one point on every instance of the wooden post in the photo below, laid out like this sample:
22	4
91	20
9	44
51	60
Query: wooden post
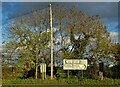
82	74
68	74
51	30
43	77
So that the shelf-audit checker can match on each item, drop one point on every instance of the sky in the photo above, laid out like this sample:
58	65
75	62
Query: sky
0	25
108	11
60	0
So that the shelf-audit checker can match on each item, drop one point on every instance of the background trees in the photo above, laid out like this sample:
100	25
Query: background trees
29	39
76	36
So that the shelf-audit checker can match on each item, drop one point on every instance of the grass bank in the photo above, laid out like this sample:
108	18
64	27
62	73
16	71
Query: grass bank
106	81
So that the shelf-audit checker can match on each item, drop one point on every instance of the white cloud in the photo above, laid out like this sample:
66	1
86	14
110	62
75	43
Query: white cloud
114	37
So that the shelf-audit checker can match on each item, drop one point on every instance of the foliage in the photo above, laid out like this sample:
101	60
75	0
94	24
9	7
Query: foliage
116	51
76	36
20	75
29	41
116	71
7	73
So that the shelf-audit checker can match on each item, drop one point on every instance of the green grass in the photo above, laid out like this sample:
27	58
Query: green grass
33	81
106	81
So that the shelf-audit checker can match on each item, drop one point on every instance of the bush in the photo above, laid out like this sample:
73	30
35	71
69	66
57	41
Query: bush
20	75
61	75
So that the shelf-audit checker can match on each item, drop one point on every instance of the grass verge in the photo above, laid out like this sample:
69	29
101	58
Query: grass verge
106	81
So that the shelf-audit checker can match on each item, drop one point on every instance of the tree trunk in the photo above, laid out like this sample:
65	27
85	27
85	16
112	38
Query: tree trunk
36	70
36	64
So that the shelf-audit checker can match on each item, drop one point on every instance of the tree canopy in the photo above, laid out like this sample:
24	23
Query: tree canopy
76	36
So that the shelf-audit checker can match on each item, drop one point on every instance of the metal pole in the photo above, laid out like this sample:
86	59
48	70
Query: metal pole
51	42
82	74
68	74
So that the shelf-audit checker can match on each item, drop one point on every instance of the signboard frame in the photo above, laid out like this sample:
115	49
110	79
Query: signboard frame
43	70
42	67
75	64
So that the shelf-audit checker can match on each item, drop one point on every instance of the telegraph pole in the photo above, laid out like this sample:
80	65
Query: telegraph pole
51	42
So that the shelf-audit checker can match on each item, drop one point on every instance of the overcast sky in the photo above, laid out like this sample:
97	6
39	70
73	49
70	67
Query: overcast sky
108	11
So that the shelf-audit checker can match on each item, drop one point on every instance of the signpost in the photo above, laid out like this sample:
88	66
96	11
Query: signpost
75	64
43	70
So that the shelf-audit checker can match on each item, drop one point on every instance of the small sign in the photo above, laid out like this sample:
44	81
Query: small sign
42	67
75	64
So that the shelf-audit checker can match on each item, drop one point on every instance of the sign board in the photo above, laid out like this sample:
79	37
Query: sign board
42	67
75	64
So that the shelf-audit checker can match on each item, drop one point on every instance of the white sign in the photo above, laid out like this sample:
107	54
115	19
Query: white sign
42	67
75	64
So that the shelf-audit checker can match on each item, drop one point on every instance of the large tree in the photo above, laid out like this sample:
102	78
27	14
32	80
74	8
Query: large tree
83	36
76	35
78	31
29	39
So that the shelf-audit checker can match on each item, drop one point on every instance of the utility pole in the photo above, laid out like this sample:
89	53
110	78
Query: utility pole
51	44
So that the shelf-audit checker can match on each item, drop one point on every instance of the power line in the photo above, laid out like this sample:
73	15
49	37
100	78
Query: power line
25	14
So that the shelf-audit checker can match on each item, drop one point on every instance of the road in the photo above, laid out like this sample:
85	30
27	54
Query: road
39	85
